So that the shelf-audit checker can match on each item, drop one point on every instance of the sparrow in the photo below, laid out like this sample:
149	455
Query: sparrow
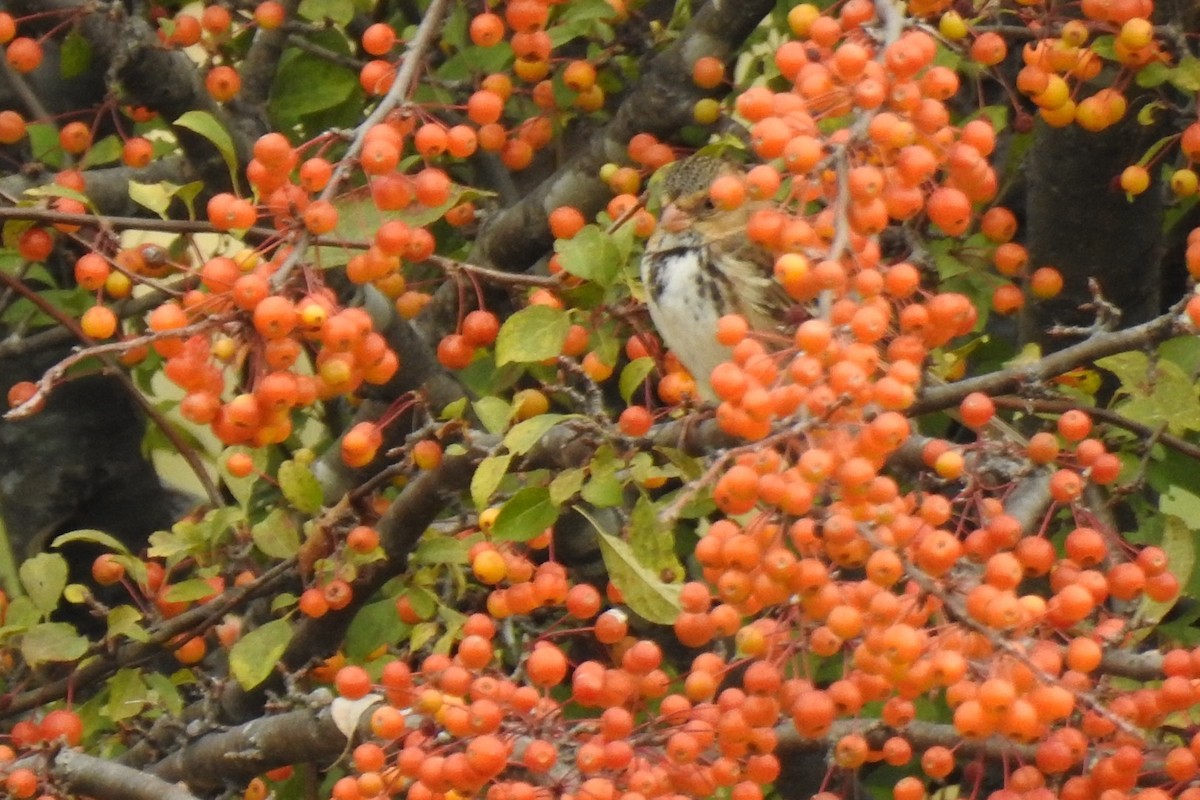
699	265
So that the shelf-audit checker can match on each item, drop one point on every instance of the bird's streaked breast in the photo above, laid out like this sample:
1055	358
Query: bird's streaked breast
685	297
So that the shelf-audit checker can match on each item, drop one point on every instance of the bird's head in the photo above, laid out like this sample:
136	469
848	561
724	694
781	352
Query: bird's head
685	191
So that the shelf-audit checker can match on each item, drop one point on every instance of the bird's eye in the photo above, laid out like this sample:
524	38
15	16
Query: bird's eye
708	204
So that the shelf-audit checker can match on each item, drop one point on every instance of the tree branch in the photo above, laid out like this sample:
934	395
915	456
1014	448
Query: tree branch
661	103
1013	379
234	756
400	529
108	780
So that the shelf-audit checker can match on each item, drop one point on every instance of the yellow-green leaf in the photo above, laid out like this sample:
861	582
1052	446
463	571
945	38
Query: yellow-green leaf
300	487
526	514
128	694
591	254
644	593
205	124
487	477
1179	543
52	641
633	375
44	577
277	535
531	335
253	657
90	535
524	435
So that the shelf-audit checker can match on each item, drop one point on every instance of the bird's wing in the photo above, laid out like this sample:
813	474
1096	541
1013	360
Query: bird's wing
751	269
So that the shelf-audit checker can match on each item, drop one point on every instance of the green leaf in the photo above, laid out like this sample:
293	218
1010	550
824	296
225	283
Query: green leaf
128	694
300	487
1184	351
642	469
44	577
487	477
1153	74
1179	543
471	61
531	335
423	601
604	488
106	151
54	190
43	139
306	84
440	550
283	601
566	485
164	544
21	614
580	18
1146	114
187	193
242	489
653	547
255	656
75	54
1154	393
421	634
75	593
155	196
165	693
338	11
89	535
454	410
590	254
277	536
1103	46
1186	75
1176	501
634	375
526	514
373	626
1153	150
493	413
648	596
127	621
453	622
52	641
524	435
1130	368
206	125
189	590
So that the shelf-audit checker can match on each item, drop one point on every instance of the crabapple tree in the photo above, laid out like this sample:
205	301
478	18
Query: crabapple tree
341	458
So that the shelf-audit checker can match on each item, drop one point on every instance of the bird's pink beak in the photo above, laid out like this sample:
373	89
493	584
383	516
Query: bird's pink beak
672	219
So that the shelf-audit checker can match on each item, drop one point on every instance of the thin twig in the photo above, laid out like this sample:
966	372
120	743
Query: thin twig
495	275
342	60
396	95
1007	381
27	96
49	217
1144	432
55	374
